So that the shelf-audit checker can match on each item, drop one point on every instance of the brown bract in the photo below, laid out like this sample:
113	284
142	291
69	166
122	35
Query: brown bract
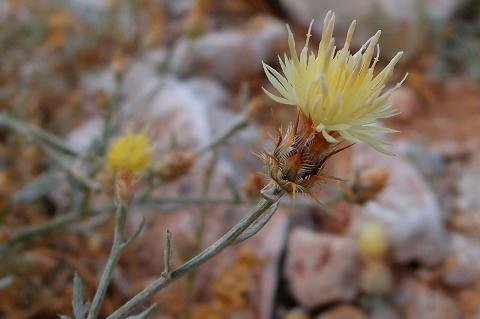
300	156
174	165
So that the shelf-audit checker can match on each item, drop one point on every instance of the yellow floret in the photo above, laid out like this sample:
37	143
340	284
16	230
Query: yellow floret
131	152
337	90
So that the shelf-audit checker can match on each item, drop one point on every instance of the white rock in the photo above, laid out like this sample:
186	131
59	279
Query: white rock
165	104
321	268
269	243
81	138
463	266
469	194
398	19
407	207
5	9
406	102
343	312
420	301
177	108
230	55
303	11
96	5
467	215
409	9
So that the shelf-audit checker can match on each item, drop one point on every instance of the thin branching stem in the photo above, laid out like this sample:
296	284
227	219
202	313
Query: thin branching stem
37	133
227	239
239	123
59	223
118	239
199	229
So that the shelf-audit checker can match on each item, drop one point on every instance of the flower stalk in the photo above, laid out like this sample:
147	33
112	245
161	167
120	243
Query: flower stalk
226	240
117	246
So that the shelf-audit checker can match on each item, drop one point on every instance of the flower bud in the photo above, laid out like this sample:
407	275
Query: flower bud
130	153
123	187
253	185
174	165
299	157
368	185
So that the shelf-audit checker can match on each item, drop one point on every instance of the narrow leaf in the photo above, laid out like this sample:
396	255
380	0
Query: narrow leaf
257	225
80	308
145	313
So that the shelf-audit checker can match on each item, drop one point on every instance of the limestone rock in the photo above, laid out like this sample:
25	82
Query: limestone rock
343	312
398	19
407	207
321	268
420	301
463	264
406	102
230	55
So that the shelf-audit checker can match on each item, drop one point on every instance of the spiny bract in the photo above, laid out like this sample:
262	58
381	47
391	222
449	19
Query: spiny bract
337	90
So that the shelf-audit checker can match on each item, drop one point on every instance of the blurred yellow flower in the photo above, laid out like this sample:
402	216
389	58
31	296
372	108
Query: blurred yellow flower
337	90
130	153
372	241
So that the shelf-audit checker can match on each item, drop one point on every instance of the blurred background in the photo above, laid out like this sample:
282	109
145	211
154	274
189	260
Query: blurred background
408	247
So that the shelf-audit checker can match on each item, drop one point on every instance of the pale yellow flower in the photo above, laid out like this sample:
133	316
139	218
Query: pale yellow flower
130	153
337	90
372	241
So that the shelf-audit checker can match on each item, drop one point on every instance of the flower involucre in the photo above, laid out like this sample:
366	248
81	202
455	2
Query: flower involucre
130	153
336	90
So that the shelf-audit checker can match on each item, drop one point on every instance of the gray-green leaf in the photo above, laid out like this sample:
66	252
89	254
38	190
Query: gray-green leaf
80	308
257	224
145	313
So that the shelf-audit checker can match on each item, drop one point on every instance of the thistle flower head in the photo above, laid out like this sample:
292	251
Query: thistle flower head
338	92
130	153
299	158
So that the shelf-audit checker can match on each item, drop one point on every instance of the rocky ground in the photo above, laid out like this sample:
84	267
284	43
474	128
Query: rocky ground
412	251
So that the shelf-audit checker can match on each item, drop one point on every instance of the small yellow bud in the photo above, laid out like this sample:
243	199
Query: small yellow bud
130	153
372	241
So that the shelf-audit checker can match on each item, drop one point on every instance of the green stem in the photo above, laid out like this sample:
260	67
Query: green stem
212	250
239	123
199	230
120	221
36	132
30	232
